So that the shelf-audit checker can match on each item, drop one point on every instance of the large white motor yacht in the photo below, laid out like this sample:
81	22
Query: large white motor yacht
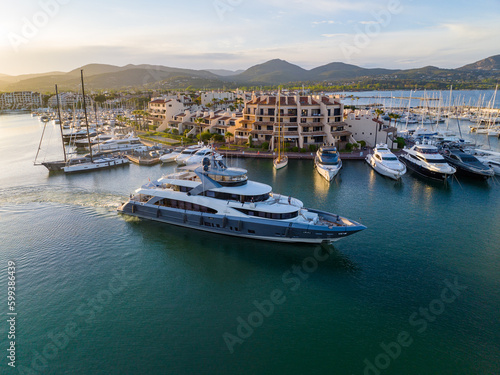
327	162
385	162
427	161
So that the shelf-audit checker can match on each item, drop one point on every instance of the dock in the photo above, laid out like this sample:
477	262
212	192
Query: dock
354	155
143	159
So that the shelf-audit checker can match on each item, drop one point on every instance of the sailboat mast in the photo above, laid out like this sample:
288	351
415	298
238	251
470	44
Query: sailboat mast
60	123
279	126
86	119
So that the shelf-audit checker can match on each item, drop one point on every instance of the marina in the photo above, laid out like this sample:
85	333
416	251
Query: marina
352	295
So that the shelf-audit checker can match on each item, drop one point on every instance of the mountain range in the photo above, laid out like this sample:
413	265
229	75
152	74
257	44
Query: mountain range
273	72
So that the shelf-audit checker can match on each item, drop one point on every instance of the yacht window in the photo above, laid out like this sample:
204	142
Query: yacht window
390	158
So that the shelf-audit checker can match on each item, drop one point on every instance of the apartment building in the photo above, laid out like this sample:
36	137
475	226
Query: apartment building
305	120
364	126
69	99
162	110
20	99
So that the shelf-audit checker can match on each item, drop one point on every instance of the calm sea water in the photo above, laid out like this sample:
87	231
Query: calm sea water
415	293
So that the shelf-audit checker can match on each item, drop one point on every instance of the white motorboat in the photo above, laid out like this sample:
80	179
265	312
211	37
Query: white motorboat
327	162
385	162
170	157
201	154
128	143
427	161
187	153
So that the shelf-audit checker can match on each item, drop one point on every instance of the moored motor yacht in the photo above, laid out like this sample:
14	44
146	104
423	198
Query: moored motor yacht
170	157
128	143
214	198
467	164
327	162
188	152
205	152
385	162
427	161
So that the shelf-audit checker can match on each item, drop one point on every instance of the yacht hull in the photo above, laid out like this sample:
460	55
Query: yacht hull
424	171
259	229
384	171
328	173
102	164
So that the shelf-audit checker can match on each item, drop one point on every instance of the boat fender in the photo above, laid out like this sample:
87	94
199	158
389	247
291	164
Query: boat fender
224	221
240	225
158	213
288	232
185	217
201	220
133	208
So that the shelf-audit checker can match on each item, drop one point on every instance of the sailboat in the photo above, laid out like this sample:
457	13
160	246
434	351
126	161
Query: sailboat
101	162
281	160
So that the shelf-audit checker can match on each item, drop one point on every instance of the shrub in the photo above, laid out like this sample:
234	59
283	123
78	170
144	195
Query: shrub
303	150
217	137
313	148
250	140
401	142
295	149
205	136
348	147
362	143
175	131
265	145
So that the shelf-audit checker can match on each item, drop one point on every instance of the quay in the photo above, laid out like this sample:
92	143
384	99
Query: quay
142	159
354	155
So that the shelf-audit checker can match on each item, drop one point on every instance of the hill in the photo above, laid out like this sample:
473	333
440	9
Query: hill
339	70
272	72
490	63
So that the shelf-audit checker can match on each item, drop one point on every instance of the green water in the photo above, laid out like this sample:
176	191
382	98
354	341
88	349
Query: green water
98	293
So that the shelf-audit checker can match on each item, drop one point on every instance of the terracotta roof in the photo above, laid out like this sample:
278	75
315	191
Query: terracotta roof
158	101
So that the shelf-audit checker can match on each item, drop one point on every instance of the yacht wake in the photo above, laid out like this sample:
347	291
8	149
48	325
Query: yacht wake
58	194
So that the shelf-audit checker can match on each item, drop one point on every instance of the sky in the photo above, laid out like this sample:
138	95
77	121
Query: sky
39	36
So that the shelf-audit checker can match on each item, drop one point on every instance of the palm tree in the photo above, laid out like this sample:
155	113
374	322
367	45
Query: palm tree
199	121
228	135
394	116
378	111
238	102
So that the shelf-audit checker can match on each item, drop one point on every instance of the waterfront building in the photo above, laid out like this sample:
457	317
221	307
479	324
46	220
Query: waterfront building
305	120
20	99
364	126
162	110
69	99
213	121
217	96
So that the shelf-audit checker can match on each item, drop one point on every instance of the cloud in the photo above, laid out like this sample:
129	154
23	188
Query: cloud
330	22
333	35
